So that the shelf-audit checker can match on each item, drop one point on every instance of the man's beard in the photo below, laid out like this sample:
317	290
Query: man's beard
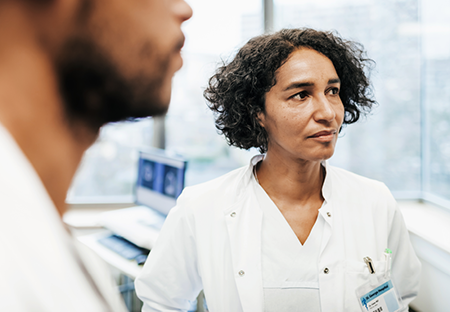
95	92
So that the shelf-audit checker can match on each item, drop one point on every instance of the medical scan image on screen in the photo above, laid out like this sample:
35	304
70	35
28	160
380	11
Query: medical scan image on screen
161	178
148	174
170	181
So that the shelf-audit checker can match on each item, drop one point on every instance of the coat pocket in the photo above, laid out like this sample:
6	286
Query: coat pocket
357	273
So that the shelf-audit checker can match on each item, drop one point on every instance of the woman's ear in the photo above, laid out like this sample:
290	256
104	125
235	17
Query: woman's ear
260	117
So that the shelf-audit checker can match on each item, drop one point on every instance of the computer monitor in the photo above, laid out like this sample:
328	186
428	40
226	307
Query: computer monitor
160	179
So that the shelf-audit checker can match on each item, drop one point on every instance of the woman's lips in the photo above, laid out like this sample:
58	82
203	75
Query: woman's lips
323	136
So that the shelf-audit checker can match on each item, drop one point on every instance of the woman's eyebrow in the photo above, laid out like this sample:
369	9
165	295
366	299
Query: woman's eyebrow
335	80
297	85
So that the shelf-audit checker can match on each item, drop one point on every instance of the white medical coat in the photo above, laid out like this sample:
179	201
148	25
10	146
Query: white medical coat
42	268
212	241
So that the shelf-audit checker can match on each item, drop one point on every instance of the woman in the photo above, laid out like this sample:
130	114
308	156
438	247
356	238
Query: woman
288	232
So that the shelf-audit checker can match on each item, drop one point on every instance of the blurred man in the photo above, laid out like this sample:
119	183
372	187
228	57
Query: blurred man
67	67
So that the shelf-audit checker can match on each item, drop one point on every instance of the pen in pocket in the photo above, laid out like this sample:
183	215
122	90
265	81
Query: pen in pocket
388	258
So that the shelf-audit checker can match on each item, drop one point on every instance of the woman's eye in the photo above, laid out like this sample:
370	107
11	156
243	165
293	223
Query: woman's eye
301	95
334	91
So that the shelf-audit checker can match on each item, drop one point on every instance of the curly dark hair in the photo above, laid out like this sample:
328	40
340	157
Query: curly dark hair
236	92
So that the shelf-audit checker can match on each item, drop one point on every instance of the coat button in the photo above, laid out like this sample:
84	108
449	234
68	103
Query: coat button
328	214
233	214
326	271
241	273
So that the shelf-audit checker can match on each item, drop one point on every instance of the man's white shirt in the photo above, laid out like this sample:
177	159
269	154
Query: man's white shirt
42	267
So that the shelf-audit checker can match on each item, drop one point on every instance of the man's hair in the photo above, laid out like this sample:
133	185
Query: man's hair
236	92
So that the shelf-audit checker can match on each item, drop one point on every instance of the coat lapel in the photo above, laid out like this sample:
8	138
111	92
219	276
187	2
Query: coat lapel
244	220
327	211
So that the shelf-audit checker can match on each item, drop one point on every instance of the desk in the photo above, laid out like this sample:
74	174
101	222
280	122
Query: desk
83	219
128	268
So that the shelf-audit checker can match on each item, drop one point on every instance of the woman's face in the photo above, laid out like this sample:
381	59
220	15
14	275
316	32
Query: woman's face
303	110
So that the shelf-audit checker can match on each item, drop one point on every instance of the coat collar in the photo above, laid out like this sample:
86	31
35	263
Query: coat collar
244	222
240	190
327	208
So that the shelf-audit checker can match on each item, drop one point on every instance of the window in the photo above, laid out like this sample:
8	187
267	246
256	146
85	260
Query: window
385	145
435	83
216	31
403	142
108	170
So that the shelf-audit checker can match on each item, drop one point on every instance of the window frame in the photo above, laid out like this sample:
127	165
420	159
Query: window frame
421	195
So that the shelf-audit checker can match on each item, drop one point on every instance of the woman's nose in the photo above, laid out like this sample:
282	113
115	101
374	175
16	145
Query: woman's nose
182	10
324	110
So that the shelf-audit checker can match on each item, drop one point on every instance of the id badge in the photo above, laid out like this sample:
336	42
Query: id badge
378	294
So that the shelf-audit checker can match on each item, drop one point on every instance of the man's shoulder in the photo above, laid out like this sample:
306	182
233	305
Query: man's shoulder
42	262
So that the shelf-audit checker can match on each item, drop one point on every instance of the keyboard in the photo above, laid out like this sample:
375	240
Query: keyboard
140	225
125	248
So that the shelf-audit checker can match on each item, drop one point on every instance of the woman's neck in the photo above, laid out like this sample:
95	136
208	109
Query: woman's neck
297	180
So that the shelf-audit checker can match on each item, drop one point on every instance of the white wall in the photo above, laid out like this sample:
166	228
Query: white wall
434	295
